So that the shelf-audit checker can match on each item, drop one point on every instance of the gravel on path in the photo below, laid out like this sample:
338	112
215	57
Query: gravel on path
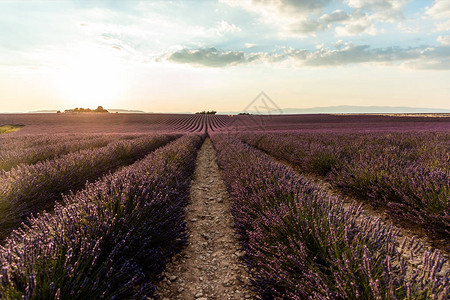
210	267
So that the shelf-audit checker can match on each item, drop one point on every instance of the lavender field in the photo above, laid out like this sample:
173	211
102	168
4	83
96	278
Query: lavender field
324	206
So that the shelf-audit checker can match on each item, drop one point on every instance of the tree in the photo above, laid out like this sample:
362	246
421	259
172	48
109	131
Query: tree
100	109
212	112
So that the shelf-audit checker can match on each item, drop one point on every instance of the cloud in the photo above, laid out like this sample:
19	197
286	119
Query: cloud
335	16
306	17
380	10
351	53
429	64
225	27
440	9
284	15
358	23
282	6
377	4
339	44
208	57
355	23
444	40
298	5
437	58
419	58
443	26
322	23
306	7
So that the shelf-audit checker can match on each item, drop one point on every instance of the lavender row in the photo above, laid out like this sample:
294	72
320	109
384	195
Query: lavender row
52	147
111	240
407	173
13	142
30	188
302	243
16	143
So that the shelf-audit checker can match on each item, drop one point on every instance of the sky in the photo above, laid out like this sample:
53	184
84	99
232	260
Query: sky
187	56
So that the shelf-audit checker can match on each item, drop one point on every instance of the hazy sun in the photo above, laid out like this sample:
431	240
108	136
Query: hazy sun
91	77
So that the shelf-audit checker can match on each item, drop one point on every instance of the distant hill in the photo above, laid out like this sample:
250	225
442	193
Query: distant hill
341	109
126	111
347	109
43	111
363	109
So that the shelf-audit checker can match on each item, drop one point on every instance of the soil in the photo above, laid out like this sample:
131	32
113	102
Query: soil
210	267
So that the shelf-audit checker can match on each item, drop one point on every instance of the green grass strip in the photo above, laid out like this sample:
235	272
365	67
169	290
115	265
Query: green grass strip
10	128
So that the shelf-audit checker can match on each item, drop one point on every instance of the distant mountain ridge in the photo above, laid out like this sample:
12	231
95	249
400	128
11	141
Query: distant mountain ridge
348	109
340	109
124	111
43	111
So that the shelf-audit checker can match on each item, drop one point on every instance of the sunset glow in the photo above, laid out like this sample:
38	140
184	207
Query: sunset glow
91	78
184	56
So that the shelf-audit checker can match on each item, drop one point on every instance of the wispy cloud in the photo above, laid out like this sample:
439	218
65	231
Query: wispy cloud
374	5
440	9
223	27
307	18
322	23
280	6
444	40
443	26
357	23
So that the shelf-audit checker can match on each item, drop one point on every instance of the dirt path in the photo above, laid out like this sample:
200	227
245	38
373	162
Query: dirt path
210	266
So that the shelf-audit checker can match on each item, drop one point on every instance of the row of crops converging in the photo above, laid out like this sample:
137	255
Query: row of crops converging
407	174
199	122
111	238
104	213
302	243
30	188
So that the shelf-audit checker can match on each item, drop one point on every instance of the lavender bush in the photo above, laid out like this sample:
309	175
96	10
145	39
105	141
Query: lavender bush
301	243
31	188
110	240
408	173
50	148
17	143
